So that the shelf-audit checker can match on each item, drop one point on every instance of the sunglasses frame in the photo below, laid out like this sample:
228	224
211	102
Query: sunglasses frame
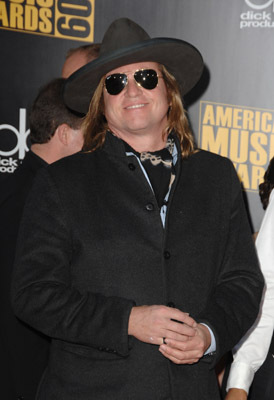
125	77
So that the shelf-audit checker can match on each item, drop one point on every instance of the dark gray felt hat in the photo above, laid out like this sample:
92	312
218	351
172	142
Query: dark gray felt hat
125	42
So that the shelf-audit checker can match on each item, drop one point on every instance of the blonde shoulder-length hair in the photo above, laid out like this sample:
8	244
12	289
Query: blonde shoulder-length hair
95	124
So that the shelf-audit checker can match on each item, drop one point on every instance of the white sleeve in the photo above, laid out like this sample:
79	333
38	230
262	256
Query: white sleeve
250	353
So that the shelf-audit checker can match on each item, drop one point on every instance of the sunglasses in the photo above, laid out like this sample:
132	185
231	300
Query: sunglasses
146	78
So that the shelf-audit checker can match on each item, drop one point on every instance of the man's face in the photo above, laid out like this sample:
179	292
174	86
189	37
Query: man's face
135	110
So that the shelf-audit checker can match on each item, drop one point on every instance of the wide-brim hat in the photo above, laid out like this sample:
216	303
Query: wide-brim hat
125	42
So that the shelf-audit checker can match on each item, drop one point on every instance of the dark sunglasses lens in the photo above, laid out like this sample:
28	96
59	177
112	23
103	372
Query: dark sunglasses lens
147	78
115	83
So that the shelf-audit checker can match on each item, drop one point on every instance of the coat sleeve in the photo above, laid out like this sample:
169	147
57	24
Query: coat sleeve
234	303
251	351
42	292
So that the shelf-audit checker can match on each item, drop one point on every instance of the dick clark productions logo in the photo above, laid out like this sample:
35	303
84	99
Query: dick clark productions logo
7	163
259	6
257	16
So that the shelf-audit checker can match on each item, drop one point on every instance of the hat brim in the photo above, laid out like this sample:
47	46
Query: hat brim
180	58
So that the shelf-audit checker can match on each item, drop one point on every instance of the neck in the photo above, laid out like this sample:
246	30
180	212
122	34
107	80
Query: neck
46	152
142	143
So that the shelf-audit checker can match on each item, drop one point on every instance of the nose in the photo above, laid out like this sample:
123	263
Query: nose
132	88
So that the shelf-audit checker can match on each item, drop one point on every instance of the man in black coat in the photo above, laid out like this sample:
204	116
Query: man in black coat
55	133
136	256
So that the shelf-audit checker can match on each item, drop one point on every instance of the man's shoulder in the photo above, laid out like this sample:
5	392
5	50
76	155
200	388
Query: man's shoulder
208	157
73	163
68	171
210	161
16	187
16	184
8	187
211	170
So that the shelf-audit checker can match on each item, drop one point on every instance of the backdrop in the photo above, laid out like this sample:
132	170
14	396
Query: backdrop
231	110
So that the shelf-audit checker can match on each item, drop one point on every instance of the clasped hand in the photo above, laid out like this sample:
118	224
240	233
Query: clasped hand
185	340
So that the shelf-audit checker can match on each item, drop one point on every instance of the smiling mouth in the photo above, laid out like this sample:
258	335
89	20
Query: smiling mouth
135	106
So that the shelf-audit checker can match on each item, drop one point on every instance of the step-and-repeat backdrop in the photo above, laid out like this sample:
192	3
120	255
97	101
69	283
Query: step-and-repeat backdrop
232	109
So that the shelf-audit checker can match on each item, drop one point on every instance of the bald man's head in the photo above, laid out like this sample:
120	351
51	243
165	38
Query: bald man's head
78	57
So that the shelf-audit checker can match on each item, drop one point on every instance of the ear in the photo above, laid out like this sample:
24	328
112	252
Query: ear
63	133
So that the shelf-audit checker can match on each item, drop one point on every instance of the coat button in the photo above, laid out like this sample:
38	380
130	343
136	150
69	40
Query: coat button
171	304
149	207
112	351
167	255
131	166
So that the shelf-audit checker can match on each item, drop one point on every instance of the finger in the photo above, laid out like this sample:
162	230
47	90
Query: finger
163	339
180	352
180	359
164	334
179	328
170	335
180	316
192	344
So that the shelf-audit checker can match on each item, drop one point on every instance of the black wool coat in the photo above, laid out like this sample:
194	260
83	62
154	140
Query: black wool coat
23	350
92	246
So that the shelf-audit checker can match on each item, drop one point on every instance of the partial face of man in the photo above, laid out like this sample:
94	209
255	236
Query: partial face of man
73	63
136	110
